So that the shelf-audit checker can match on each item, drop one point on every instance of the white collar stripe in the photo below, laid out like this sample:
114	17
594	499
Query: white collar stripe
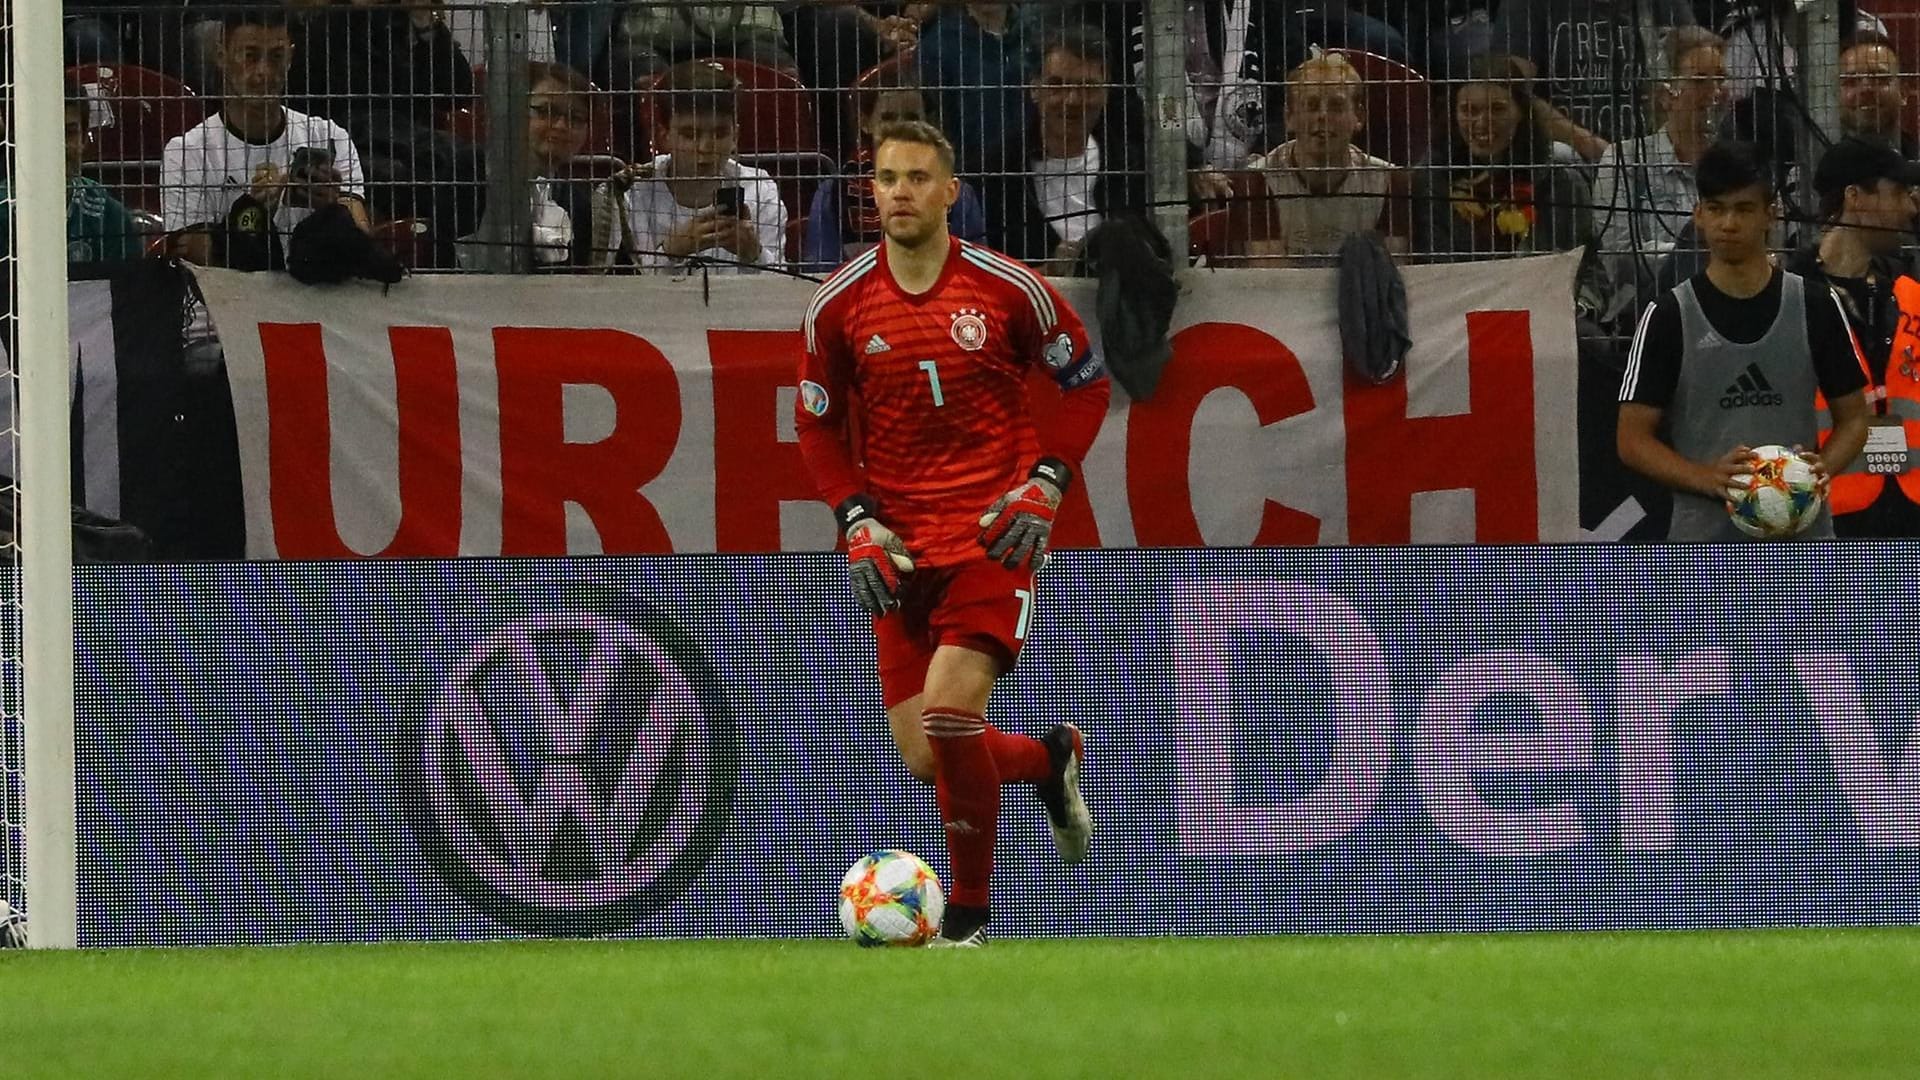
837	284
1017	273
1019	276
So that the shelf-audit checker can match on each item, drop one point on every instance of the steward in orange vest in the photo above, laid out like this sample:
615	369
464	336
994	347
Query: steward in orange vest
1867	198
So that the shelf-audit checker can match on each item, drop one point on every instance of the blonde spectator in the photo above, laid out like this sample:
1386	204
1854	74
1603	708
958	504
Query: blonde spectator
1322	188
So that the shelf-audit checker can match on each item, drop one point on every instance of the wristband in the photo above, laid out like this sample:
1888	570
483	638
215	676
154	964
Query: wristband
856	509
1053	471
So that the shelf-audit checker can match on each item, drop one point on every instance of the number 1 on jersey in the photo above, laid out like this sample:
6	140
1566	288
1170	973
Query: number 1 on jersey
932	368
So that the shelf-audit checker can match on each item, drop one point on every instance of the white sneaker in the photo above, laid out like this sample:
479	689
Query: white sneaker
1067	813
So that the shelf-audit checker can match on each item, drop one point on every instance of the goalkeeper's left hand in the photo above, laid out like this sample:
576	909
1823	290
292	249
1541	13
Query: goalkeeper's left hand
1015	528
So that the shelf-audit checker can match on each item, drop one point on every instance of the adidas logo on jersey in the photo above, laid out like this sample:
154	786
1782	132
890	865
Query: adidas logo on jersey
1750	389
877	344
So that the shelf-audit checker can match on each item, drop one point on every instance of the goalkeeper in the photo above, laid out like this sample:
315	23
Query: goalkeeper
948	491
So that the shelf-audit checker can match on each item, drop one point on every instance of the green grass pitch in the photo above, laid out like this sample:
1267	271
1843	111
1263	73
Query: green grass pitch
1800	1004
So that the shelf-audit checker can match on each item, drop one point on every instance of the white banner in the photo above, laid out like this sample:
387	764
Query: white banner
567	415
95	385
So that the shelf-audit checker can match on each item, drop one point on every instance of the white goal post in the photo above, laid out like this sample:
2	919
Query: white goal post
37	188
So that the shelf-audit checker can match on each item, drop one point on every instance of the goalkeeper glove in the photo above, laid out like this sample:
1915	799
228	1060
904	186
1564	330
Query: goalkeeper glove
1015	528
876	556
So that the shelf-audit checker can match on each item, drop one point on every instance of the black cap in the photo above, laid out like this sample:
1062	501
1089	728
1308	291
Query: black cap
1864	163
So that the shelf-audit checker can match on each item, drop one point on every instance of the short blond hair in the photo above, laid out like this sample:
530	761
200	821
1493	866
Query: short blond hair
1329	67
919	132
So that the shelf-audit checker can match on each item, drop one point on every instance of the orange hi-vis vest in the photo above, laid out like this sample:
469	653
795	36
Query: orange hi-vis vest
1899	397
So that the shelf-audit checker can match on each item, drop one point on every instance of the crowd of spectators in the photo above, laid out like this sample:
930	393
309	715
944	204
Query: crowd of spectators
1457	130
738	137
1625	90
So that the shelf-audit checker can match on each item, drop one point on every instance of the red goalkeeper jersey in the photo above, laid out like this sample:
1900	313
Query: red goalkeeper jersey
921	401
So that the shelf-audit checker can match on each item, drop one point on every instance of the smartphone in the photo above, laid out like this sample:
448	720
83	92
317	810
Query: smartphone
307	160
731	200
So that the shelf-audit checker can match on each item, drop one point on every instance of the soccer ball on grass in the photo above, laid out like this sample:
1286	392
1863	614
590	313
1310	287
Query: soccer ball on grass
13	927
1780	496
891	898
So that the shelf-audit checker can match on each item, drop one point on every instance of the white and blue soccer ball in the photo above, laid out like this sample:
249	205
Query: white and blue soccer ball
1780	497
891	898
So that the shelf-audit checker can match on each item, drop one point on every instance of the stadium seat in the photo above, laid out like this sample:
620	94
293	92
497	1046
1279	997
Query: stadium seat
409	240
136	111
797	173
776	109
1227	229
1207	235
1246	183
466	124
1399	108
596	167
152	230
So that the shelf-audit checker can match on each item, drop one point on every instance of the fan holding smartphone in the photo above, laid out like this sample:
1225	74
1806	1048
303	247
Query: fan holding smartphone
697	199
312	179
730	201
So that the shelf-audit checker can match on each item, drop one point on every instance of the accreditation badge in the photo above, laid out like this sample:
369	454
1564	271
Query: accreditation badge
1886	449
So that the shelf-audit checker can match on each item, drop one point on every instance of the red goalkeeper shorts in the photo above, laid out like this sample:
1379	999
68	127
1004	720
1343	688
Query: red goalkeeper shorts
979	605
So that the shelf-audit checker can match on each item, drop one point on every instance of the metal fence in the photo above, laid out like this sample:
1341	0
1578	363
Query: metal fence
1255	133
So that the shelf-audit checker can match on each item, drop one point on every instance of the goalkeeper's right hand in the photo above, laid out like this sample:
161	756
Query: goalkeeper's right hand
876	556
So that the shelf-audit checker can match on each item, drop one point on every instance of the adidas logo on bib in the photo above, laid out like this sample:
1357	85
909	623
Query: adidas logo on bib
1750	389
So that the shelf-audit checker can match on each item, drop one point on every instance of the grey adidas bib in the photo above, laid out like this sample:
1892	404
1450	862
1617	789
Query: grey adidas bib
1729	395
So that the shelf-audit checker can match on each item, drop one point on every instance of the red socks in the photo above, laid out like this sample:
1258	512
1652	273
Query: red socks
967	787
972	758
1019	758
